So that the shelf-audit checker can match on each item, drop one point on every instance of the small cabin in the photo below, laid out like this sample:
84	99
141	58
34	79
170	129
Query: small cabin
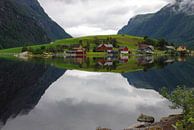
182	49
144	48
77	51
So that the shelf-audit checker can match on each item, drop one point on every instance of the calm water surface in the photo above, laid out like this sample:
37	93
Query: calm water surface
46	96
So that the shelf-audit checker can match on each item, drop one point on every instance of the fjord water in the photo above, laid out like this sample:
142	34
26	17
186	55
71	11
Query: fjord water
41	96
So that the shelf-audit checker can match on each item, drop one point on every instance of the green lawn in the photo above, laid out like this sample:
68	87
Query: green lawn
123	40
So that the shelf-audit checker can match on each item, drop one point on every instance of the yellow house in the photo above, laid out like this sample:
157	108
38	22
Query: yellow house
182	49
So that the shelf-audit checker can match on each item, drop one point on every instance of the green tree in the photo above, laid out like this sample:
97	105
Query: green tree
96	41
182	98
162	43
145	37
149	41
24	49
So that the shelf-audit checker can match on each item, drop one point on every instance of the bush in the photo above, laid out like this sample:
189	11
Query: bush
24	49
182	98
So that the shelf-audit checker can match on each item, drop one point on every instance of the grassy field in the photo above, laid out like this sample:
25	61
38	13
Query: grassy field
122	40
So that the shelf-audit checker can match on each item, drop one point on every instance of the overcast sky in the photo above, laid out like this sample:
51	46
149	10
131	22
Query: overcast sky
94	17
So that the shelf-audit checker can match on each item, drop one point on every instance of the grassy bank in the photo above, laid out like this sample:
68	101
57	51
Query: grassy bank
122	40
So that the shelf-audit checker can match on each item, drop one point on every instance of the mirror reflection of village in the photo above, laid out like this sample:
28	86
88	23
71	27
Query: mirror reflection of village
112	63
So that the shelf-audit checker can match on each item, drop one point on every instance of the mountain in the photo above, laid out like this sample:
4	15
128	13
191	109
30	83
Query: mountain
25	22
174	22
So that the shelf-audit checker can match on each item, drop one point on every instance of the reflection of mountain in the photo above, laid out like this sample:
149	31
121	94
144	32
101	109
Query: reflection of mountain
81	100
22	85
170	76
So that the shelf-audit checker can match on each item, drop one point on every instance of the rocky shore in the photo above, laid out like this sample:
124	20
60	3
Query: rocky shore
147	123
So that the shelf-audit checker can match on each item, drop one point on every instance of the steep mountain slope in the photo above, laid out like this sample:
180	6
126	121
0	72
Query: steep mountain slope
174	22
25	22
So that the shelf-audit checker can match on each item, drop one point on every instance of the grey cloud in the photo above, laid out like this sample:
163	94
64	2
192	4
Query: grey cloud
101	15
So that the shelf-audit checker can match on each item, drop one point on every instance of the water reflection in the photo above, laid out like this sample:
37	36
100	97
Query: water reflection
39	95
164	72
21	86
119	64
85	100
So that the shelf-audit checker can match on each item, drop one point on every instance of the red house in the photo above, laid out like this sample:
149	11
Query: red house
124	50
104	47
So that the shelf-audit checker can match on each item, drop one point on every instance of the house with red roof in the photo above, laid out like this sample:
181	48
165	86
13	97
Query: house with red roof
105	48
124	50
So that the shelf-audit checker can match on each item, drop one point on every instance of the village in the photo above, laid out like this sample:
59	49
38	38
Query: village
108	46
142	49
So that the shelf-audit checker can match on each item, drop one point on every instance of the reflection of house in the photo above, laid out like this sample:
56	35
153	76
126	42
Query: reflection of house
104	62
77	51
181	59
144	48
143	60
105	48
124	59
76	59
182	49
124	50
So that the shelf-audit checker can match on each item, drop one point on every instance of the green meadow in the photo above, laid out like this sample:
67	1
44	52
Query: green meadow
122	40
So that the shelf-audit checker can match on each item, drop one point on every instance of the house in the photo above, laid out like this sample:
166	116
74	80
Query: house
105	48
170	49
182	49
124	50
144	48
77	51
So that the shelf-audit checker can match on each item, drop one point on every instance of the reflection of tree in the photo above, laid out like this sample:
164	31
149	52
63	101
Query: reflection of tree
88	62
22	85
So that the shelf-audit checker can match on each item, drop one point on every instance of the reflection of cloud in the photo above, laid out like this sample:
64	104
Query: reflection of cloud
89	17
84	100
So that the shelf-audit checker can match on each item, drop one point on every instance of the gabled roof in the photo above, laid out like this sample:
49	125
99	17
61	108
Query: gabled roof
145	46
106	45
